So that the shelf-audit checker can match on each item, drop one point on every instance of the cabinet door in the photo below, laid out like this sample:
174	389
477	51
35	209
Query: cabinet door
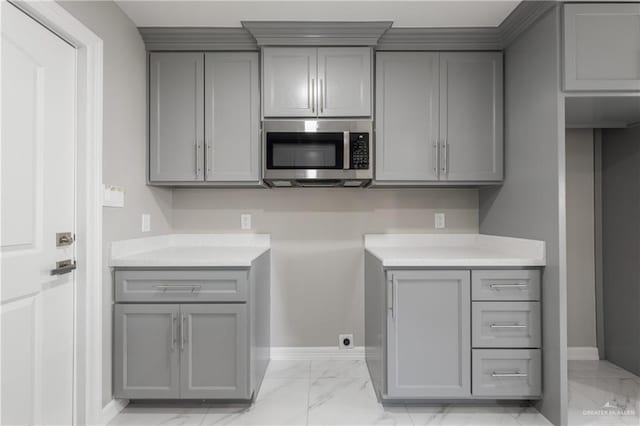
232	122
146	351
344	82
289	82
471	116
406	116
176	116
602	46
428	334
214	359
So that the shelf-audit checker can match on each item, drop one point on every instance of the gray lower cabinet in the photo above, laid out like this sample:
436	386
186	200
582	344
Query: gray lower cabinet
204	118
427	338
439	118
602	47
428	334
146	361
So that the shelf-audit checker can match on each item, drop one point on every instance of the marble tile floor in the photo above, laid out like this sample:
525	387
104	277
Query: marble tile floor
340	393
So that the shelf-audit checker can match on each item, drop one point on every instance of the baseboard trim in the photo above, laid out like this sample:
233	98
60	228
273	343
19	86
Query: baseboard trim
582	353
112	409
316	353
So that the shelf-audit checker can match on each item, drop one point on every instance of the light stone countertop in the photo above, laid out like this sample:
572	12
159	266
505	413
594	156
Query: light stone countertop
189	250
454	250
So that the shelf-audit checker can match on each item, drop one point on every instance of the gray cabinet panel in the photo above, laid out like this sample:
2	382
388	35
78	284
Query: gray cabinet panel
471	116
406	116
344	82
504	373
232	122
428	334
602	46
176	116
146	351
516	284
506	324
214	351
289	82
181	285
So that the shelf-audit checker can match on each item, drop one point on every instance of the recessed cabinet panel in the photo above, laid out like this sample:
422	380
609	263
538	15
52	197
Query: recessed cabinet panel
406	116
602	46
289	82
176	116
471	139
214	345
428	334
344	82
232	121
146	352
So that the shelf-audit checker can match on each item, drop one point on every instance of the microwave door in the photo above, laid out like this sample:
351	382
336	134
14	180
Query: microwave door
305	151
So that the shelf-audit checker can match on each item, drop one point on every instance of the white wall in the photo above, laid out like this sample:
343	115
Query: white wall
581	304
317	254
124	143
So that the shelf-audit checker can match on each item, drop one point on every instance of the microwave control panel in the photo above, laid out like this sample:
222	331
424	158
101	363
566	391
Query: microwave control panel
359	150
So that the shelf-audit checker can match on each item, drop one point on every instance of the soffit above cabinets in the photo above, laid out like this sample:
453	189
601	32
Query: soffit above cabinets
420	13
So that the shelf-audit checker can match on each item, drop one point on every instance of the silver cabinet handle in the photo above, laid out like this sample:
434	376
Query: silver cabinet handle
508	326
196	168
445	158
514	374
436	162
191	288
321	96
207	158
182	337
64	267
499	286
391	298
173	331
313	95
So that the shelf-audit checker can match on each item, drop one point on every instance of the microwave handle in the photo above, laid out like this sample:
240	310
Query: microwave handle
346	152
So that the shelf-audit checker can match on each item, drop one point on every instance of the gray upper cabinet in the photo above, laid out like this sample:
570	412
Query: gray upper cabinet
289	82
428	334
406	116
602	46
316	82
232	121
176	116
215	352
146	352
344	82
439	118
471	129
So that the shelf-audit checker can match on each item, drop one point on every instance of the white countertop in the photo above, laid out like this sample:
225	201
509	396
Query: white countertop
454	250
189	250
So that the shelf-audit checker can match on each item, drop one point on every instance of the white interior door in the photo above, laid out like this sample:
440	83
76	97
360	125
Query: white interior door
38	201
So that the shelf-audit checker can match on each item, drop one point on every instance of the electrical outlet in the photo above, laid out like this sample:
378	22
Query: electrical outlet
245	221
146	222
440	220
345	341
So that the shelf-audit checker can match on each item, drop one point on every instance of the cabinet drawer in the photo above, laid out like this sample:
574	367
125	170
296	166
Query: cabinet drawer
181	286
505	324
511	373
505	285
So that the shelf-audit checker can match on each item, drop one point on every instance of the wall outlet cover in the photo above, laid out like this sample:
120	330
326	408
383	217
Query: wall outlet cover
245	221
345	341
112	196
146	222
439	220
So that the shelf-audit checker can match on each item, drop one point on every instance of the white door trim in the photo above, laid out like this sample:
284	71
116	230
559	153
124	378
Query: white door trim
88	306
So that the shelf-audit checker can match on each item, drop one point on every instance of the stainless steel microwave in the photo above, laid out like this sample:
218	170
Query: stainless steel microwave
317	153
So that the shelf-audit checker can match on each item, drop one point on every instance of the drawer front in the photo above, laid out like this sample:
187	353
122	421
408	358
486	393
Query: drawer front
181	286
505	324
506	373
505	285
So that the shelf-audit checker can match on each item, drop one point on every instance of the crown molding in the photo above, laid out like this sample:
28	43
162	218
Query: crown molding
440	39
316	33
522	18
197	38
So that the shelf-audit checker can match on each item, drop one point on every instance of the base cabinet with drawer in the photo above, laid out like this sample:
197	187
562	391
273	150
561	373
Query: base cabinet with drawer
205	336
439	334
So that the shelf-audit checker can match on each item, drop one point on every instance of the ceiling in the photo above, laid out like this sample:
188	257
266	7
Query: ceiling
412	13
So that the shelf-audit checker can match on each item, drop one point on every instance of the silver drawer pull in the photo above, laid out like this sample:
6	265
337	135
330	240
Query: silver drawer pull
499	286
514	374
191	288
508	326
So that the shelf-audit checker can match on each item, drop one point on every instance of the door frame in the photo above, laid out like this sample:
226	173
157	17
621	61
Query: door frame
87	386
